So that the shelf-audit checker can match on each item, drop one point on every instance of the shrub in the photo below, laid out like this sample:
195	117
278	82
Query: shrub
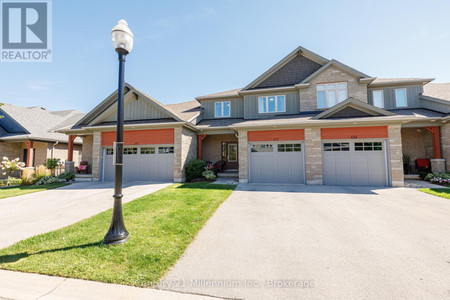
11	181
67	176
438	178
209	175
11	166
48	180
422	175
51	164
194	169
41	171
28	177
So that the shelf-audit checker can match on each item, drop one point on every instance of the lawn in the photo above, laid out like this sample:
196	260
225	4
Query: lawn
440	192
161	226
26	189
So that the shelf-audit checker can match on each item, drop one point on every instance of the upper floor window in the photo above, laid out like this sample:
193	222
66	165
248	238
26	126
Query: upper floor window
222	109
330	94
400	98
378	98
271	104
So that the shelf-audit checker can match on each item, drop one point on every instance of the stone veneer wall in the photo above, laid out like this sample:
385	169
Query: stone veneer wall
188	148
96	155
86	151
308	97
445	144
11	151
313	156
395	155
177	166
243	156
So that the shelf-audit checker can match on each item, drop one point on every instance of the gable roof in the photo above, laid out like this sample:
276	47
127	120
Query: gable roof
298	51
225	94
437	90
111	100
186	110
355	104
35	123
399	81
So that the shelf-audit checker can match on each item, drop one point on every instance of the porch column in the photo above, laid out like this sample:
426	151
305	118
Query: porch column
436	141
70	147
29	153
200	137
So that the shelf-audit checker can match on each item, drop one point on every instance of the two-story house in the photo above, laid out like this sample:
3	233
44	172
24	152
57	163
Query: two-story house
306	120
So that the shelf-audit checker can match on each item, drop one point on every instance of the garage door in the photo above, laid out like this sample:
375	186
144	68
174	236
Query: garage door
147	163
354	163
276	163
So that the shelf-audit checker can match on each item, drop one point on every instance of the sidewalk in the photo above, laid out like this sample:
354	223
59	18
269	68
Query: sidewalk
17	285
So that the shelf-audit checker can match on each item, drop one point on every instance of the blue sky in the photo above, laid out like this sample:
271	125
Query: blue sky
185	49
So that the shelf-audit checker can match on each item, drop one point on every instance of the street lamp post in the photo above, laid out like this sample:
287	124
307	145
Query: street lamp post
122	39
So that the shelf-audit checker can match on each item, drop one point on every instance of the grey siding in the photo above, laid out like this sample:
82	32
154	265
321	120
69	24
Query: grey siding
291	73
435	104
412	94
251	105
236	105
138	109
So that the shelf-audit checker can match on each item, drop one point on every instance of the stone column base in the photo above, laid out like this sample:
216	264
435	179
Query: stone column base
69	166
437	165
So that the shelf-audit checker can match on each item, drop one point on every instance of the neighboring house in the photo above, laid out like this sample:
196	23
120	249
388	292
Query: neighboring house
28	133
307	119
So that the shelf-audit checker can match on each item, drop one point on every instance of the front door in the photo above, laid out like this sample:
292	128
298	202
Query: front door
230	155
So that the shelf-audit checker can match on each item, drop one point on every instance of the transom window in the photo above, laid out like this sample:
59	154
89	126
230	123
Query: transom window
336	147
271	104
148	150
129	151
109	151
222	109
262	148
331	94
378	98
289	147
165	150
369	146
400	98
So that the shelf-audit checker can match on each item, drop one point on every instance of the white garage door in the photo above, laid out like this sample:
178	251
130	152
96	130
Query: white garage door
277	163
354	163
148	163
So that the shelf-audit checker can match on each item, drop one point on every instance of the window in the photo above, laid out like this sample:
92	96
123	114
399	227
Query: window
129	151
378	98
289	147
147	150
261	148
331	94
369	146
400	98
165	150
336	147
109	151
222	109
271	104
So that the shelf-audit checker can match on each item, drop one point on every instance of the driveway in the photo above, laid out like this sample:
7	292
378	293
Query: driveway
345	242
31	214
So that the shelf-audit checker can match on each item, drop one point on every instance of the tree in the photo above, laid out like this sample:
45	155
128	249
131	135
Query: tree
51	164
11	166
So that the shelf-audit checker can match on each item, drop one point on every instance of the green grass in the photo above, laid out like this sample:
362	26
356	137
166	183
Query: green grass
161	226
26	189
440	192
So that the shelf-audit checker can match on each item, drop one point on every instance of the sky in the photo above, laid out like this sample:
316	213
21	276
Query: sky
185	49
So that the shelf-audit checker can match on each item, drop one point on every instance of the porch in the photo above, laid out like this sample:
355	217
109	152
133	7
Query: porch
419	144
221	150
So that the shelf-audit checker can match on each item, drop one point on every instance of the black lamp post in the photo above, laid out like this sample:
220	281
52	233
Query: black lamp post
122	39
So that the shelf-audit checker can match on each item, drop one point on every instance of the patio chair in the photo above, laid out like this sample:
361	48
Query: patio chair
423	165
83	168
218	166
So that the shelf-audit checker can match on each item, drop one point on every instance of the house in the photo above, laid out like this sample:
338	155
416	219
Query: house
28	133
306	120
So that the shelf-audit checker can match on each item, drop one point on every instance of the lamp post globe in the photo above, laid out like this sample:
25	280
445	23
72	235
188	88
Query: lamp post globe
122	39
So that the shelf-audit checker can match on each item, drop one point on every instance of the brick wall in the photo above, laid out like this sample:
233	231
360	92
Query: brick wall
86	152
308	97
212	146
417	143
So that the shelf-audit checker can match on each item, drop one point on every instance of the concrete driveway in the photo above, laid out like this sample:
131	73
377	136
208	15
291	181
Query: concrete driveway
31	214
266	242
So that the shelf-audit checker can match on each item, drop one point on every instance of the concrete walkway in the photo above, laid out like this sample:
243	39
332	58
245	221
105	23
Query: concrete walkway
15	285
321	242
24	216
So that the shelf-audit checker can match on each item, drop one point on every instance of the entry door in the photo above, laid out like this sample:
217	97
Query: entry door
230	155
354	163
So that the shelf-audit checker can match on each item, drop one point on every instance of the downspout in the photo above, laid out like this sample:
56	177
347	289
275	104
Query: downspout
53	147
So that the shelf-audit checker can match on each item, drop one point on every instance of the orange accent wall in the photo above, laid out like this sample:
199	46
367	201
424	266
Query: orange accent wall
354	132
276	135
141	137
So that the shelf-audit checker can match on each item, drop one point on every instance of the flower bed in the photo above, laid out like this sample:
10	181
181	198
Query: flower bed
439	178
